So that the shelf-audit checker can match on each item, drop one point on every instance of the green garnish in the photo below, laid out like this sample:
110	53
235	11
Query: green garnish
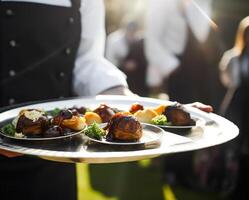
94	131
9	129
160	120
55	112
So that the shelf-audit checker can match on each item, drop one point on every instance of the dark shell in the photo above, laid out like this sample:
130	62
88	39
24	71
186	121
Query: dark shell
105	112
30	127
177	115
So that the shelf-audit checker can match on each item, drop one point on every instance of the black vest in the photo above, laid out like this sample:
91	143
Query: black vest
38	50
197	77
38	45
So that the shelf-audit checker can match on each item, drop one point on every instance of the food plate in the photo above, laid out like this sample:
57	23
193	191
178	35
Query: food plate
217	130
151	135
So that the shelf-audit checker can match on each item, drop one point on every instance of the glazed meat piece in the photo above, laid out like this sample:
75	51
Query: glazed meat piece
31	122
78	110
136	107
64	114
125	128
105	112
178	116
68	119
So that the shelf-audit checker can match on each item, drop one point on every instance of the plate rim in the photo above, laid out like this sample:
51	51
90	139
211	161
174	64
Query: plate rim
40	138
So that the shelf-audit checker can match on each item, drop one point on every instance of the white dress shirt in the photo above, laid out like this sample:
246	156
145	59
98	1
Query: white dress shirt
116	47
166	33
92	72
230	69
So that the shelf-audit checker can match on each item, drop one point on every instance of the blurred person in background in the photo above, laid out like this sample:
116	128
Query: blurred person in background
125	49
183	50
234	71
50	49
119	41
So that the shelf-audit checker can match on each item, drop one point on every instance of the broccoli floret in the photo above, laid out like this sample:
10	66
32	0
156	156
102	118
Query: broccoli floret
160	120
55	112
9	129
94	131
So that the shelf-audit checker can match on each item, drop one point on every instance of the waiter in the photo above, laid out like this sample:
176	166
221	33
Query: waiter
50	49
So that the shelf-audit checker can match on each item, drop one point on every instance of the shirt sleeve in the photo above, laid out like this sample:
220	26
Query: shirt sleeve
162	60
111	50
229	70
92	73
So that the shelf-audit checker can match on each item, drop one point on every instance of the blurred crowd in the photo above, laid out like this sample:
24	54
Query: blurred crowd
184	50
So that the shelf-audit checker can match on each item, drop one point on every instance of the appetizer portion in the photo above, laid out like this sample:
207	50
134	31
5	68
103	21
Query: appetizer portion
168	115
31	122
123	127
34	123
69	119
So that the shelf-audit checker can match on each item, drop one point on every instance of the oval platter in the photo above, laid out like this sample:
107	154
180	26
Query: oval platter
214	131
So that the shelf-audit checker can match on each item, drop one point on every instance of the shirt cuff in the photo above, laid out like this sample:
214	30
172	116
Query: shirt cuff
110	82
99	76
